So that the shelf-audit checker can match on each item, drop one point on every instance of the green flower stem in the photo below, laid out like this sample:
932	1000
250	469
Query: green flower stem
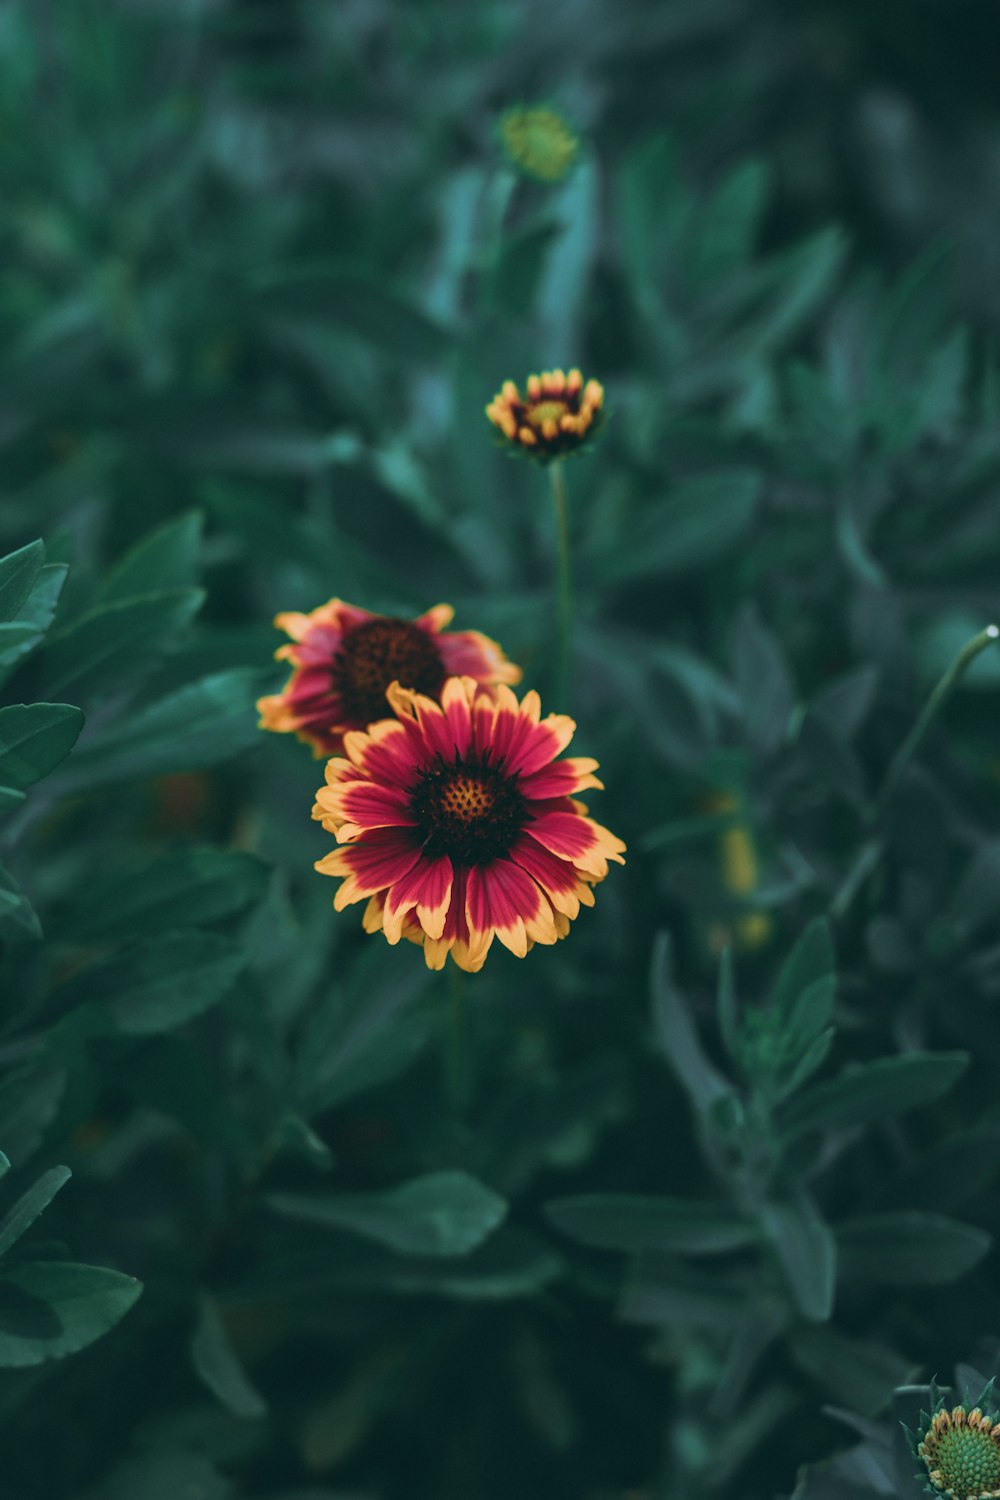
456	1048
870	854
935	702
564	585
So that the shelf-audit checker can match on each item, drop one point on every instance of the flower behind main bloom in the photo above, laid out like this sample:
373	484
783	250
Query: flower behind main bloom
344	659
457	823
557	416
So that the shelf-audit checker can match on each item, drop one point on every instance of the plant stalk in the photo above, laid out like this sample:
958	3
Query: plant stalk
564	588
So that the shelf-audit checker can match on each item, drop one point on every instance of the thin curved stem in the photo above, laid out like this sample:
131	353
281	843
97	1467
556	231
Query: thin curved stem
931	708
564	587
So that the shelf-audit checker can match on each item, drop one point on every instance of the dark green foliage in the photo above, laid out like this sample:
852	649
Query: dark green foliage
673	1208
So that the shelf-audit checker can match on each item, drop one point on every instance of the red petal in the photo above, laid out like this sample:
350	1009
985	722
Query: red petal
380	858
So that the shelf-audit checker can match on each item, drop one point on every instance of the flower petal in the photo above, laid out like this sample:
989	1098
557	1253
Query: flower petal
504	899
579	839
561	779
426	887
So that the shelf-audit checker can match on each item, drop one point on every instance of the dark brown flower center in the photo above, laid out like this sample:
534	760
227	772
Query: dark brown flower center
378	653
467	809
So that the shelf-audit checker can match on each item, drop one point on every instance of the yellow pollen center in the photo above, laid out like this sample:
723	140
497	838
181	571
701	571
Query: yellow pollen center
467	799
546	411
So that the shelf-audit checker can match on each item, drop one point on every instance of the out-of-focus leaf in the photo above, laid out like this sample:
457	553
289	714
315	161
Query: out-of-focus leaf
19	1219
34	738
621	1221
698	522
873	1091
678	1038
18	571
355	301
859	1373
52	1308
812	958
17	915
444	1213
166	559
183	888
216	1361
20	636
909	1249
763	680
212	720
156	985
807	1251
29	1099
111	643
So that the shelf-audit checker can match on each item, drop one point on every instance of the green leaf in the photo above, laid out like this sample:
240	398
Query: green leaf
110	644
909	1249
860	1375
34	738
807	1252
702	1082
18	572
17	916
873	1091
632	1222
19	1219
19	637
52	1308
183	888
811	958
444	1213
155	986
763	680
29	1102
356	302
166	559
210	721
700	520
10	797
216	1362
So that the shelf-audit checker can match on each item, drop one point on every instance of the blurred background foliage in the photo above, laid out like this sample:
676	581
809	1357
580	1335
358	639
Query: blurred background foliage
725	1163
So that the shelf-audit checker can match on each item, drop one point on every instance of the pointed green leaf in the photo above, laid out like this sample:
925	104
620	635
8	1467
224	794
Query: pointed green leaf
166	559
807	1251
115	641
909	1249
216	1362
873	1091
18	572
209	721
19	1219
444	1213
52	1308
34	738
679	1042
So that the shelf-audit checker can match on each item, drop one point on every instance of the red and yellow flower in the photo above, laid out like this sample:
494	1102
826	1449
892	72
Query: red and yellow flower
457	823
558	414
344	659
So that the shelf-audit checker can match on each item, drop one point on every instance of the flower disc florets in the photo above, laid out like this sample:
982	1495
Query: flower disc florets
458	824
539	141
960	1450
557	416
344	659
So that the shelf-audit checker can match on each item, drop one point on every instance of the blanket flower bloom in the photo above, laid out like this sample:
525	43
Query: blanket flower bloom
457	823
344	659
557	416
961	1452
